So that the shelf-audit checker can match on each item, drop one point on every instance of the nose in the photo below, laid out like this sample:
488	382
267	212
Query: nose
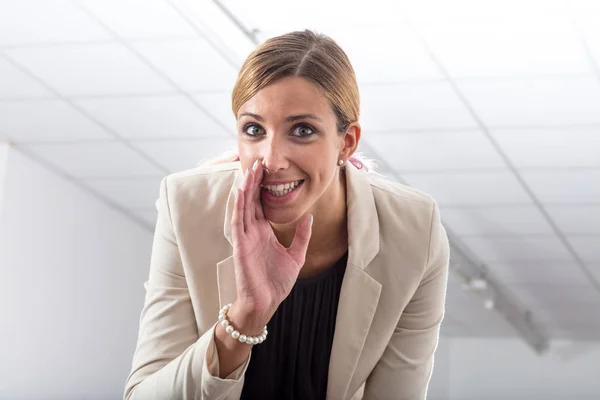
274	154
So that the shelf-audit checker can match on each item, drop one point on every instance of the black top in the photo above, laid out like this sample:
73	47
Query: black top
293	362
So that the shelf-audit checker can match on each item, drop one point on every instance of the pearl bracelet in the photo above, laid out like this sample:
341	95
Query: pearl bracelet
235	334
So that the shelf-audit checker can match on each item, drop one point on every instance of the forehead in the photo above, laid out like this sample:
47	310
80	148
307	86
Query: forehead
287	96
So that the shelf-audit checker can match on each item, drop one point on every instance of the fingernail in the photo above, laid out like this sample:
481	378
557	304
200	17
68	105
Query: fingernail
311	220
254	165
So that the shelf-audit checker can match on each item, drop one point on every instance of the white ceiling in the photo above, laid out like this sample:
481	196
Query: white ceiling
492	107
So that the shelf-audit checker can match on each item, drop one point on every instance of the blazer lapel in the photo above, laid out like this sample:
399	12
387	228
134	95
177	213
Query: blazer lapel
360	292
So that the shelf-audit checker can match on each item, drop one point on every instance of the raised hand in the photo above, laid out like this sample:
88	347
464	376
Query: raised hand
265	270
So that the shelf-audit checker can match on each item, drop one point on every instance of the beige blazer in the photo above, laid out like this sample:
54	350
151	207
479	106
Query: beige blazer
390	309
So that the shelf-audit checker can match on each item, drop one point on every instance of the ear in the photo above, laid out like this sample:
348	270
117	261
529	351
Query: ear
351	139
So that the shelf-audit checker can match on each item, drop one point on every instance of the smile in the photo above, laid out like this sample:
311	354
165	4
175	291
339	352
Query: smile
282	189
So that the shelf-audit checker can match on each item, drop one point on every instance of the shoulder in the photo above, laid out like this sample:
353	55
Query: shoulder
405	214
203	187
398	194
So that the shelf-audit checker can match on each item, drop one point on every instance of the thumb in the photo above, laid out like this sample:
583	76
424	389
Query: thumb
301	238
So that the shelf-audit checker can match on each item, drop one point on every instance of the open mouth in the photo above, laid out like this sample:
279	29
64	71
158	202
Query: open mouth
283	189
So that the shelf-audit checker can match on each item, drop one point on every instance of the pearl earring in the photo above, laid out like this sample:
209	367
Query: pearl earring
341	162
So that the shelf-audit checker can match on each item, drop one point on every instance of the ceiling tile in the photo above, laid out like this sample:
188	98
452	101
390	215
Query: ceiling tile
44	22
537	295
54	120
149	215
587	247
557	147
565	186
16	84
412	106
368	51
280	17
525	102
435	151
99	69
539	271
139	192
92	160
594	267
516	220
474	48
133	19
219	105
179	155
153	117
586	14
578	219
517	248
193	64
568	317
473	188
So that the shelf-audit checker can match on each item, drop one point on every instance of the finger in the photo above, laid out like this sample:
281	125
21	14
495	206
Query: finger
258	208
248	214
237	223
301	239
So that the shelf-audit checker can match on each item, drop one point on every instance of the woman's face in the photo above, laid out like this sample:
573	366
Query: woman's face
291	128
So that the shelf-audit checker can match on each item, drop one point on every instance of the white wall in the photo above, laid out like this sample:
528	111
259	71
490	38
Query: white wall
495	369
71	289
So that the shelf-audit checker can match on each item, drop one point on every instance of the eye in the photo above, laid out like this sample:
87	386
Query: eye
253	130
302	131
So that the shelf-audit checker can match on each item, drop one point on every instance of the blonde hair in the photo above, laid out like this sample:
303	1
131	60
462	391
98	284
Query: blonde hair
310	55
315	57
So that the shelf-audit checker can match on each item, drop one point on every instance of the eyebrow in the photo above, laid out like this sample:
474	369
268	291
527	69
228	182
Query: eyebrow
288	119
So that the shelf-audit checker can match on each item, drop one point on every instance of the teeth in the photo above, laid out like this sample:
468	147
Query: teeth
282	189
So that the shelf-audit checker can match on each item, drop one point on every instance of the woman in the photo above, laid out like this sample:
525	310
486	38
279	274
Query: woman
291	274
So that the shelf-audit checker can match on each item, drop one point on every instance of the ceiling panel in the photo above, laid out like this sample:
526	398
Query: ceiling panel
139	192
148	215
435	151
576	219
565	186
470	188
153	117
44	22
99	69
16	84
553	148
506	46
540	296
133	19
179	155
92	160
517	248
515	220
412	106
193	64
45	120
568	317
587	247
586	14
219	105
531	102
594	267
538	271
274	16
368	49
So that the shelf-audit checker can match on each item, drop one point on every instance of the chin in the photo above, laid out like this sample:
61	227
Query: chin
281	217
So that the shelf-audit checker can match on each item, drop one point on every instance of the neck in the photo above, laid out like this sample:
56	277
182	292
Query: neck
330	231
